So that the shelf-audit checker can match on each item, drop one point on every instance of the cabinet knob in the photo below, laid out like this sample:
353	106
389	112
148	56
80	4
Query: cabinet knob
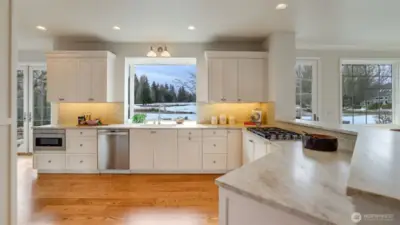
223	99
190	138
239	100
81	145
214	162
61	99
190	132
81	133
214	132
251	141
49	161
91	99
81	161
153	132
215	145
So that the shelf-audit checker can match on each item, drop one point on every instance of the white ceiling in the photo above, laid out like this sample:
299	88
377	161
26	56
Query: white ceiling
348	23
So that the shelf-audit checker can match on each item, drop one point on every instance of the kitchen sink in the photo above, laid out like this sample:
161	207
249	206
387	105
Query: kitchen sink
158	125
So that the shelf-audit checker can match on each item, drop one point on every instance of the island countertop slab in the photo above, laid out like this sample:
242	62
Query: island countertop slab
309	184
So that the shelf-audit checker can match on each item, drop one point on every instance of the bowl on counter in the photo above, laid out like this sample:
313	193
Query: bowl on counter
320	142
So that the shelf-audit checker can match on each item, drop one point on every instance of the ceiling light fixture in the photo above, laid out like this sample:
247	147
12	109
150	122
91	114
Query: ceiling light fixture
164	53
151	53
41	28
281	6
191	27
116	28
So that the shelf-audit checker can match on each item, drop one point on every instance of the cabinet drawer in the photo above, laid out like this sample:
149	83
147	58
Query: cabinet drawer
214	161
82	145
82	162
214	133
49	161
235	131
189	132
214	145
81	133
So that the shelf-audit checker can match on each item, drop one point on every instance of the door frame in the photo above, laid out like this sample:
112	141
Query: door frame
316	83
28	102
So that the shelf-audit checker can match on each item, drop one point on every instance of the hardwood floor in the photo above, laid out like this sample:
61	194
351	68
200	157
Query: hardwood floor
115	199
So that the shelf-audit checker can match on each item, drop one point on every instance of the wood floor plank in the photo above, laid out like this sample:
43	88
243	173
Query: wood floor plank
74	199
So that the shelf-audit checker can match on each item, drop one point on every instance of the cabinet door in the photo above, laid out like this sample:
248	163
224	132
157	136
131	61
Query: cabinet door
141	149
260	149
84	85
99	80
234	149
62	79
189	153
248	148
166	149
223	80
251	80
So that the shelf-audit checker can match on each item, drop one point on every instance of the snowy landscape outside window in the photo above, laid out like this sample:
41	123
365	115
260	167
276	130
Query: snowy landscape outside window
168	88
367	93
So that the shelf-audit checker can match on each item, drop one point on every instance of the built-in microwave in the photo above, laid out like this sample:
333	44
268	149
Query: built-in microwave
49	140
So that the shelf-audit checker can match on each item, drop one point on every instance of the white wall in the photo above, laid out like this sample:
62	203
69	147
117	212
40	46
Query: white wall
330	76
7	114
281	77
131	50
31	56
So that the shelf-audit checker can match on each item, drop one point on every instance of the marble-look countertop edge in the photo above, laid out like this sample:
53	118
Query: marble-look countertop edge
272	203
132	126
322	127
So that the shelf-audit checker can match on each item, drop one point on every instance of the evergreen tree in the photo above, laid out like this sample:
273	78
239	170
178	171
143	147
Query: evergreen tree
155	92
136	90
182	95
172	93
144	90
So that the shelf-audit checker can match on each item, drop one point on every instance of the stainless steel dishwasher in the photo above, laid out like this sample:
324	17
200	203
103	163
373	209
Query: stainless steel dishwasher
113	149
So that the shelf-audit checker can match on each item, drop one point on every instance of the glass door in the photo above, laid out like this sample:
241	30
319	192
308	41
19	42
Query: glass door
33	107
22	110
307	89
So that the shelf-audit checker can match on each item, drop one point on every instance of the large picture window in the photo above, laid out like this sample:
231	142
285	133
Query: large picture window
306	89
367	93
164	92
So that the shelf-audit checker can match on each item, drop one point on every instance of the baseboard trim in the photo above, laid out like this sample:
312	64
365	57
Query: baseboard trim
24	154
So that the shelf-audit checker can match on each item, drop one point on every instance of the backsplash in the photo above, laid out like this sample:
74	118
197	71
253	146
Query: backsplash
109	113
241	111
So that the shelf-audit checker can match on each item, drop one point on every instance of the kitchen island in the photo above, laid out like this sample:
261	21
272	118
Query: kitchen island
294	186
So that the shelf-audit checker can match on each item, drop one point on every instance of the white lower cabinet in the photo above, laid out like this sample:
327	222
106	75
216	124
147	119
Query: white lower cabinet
141	149
254	147
165	149
190	153
214	162
234	149
49	161
82	145
81	162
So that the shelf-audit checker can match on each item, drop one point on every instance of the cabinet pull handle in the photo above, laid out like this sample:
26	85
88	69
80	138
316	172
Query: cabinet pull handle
49	161
81	161
61	99
251	141
214	132
153	132
239	100
91	99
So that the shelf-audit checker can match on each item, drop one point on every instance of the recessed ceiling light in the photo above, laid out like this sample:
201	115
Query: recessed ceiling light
41	28
116	28
191	27
281	6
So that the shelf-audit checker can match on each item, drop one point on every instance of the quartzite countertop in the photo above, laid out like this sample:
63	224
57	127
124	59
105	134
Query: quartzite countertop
306	183
146	126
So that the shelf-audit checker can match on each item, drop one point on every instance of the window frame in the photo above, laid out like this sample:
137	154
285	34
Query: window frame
395	62
130	64
316	84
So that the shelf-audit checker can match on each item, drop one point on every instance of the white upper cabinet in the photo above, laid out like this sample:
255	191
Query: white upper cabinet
62	79
82	76
251	80
236	76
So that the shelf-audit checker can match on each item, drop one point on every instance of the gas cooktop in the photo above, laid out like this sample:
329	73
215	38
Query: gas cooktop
273	133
